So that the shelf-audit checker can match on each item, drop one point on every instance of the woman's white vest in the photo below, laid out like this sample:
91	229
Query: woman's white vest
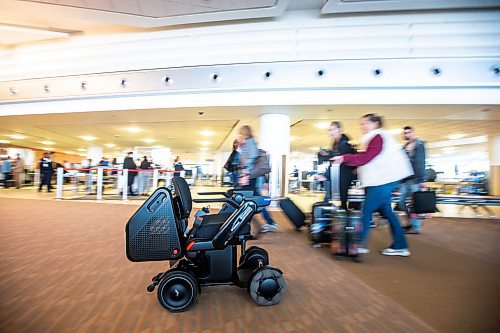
390	165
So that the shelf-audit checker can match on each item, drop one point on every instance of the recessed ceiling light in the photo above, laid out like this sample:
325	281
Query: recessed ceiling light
16	136
204	148
48	149
207	133
134	129
110	145
82	155
81	149
322	125
395	130
148	140
205	143
87	138
47	143
4	141
455	136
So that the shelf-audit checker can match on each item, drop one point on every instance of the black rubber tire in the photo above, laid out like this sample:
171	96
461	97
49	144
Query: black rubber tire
178	291
257	290
254	253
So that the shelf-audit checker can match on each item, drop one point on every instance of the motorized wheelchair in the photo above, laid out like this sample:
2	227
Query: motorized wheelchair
204	255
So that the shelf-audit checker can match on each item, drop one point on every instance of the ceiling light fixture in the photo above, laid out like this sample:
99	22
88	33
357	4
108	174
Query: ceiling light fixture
207	133
149	140
134	129
455	136
81	149
18	137
322	125
4	141
205	143
110	145
47	143
314	148
87	138
204	148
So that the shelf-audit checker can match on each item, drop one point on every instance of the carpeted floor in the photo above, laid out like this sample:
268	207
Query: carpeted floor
64	269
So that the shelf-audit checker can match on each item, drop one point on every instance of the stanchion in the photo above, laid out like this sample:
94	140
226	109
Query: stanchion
59	190
124	184
155	179
36	180
99	183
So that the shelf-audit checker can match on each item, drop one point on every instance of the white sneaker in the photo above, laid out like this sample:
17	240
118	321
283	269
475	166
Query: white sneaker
394	252
268	228
363	250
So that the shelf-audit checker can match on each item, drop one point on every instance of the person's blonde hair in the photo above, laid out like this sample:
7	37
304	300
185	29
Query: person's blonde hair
246	131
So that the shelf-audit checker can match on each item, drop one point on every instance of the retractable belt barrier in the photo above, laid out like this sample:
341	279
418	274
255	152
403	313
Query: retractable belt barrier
119	177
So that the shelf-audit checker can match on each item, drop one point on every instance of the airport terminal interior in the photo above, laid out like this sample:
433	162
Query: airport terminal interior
132	199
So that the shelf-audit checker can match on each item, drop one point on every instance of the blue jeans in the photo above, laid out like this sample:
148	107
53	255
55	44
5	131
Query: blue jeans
378	198
405	189
267	217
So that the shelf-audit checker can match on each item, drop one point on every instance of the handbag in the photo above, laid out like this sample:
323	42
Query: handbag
261	166
424	202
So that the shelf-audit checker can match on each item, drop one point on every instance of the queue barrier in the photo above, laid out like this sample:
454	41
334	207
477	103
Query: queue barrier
117	176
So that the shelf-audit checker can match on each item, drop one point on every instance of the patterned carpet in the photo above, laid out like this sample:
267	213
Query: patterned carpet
64	269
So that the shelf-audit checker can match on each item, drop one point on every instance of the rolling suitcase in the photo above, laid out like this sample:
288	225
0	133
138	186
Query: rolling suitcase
323	213
346	234
293	212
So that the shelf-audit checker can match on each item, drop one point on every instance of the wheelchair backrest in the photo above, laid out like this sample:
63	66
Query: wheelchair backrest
183	194
154	231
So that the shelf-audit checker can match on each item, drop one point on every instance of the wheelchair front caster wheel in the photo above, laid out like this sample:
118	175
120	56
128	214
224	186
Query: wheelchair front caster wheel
151	288
267	286
178	291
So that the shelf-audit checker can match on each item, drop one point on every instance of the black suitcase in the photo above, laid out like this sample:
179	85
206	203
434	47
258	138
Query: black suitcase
424	202
320	230
293	212
346	234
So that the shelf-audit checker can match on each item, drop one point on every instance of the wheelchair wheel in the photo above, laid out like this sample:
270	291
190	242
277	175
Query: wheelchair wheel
267	286
178	291
253	257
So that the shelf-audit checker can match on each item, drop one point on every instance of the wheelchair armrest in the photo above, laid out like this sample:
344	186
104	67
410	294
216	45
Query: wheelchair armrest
229	201
214	193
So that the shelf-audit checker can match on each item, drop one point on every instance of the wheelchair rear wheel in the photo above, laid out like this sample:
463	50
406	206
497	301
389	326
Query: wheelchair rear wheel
178	291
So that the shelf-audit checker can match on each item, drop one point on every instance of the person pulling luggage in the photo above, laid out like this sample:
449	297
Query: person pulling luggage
380	168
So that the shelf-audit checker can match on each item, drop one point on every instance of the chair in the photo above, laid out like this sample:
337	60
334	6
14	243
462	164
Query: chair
206	254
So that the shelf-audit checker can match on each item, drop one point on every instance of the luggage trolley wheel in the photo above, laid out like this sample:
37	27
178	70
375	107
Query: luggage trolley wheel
267	286
178	291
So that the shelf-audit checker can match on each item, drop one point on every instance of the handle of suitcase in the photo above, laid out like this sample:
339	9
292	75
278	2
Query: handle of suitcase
335	181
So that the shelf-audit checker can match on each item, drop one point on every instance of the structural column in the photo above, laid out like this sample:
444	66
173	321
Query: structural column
275	140
494	157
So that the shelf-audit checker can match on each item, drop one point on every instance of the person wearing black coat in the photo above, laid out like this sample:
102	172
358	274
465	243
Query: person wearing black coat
340	146
128	163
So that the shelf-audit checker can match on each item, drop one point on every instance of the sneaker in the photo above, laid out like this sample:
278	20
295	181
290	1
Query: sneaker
268	228
412	231
317	245
396	252
363	250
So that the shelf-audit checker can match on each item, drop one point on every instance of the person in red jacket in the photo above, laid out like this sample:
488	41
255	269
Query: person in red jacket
380	168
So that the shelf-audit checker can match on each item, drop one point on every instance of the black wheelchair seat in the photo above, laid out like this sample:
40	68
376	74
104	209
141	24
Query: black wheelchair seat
211	224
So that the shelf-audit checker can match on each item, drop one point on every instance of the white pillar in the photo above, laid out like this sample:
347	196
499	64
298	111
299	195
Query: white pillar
274	138
155	179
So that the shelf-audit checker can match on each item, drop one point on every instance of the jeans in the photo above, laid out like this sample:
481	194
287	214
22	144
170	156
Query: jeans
378	198
405	189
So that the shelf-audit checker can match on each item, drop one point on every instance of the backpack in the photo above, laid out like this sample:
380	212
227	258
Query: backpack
261	166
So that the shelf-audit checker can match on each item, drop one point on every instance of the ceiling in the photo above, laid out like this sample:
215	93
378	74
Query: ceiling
184	129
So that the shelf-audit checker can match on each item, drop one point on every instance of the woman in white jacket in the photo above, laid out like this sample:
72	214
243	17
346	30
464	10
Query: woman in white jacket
380	168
